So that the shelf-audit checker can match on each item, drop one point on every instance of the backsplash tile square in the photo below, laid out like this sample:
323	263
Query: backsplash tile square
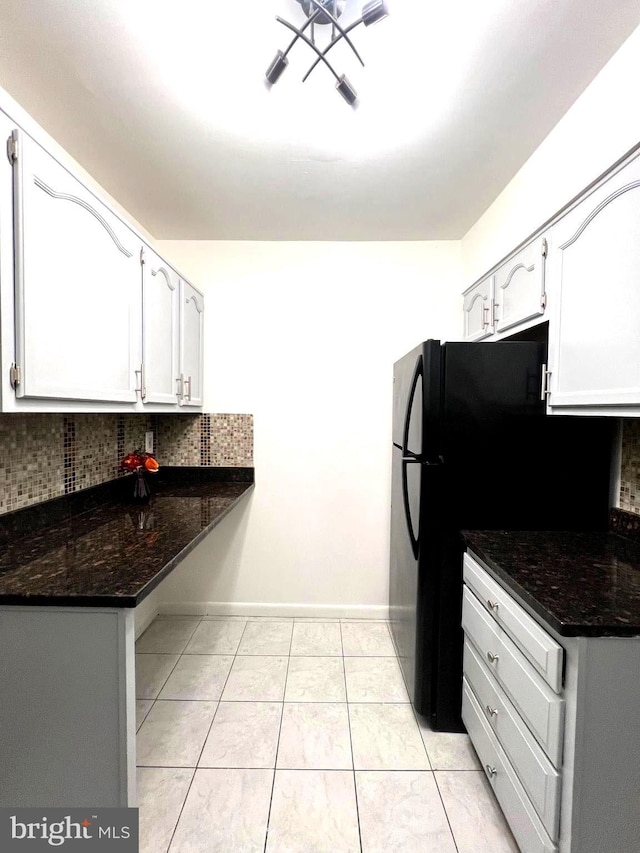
230	441
44	456
179	439
31	460
630	466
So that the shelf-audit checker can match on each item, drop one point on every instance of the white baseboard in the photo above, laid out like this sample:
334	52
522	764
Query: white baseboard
252	608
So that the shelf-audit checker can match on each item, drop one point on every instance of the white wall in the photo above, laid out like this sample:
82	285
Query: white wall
602	125
304	336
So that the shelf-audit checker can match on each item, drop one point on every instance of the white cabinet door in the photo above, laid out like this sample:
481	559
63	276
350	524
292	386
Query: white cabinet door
160	330
519	286
594	263
7	347
78	287
479	310
191	344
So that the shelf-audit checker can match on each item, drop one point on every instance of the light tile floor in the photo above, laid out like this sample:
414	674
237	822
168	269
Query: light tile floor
297	736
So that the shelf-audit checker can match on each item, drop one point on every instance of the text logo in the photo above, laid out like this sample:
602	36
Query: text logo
104	830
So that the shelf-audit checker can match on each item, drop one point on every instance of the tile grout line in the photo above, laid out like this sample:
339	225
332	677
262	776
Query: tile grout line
353	761
195	769
163	685
147	714
446	813
275	760
424	746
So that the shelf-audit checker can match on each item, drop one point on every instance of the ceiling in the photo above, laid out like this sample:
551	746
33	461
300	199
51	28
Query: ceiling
165	104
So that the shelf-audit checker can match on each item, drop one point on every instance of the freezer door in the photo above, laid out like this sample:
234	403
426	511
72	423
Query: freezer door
417	401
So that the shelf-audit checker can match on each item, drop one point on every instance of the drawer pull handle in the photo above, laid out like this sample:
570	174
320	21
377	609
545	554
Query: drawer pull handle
492	605
492	658
492	712
491	771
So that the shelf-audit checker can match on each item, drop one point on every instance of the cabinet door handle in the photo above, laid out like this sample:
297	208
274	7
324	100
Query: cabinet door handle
180	383
492	658
491	771
188	383
492	605
492	712
544	388
485	316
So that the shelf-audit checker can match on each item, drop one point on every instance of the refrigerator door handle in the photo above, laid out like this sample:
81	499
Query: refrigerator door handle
417	373
407	510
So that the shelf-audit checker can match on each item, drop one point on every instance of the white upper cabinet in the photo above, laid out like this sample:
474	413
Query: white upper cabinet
478	309
77	287
520	286
191	345
594	268
160	330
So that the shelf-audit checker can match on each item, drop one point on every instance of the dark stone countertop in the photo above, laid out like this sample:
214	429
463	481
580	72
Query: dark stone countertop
99	549
580	584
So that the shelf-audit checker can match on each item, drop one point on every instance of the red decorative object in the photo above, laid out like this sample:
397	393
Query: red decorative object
140	463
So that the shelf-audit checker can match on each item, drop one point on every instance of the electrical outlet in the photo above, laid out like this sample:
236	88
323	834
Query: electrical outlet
148	441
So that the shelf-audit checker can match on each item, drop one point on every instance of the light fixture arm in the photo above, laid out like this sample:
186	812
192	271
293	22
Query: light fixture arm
343	32
329	46
308	41
308	23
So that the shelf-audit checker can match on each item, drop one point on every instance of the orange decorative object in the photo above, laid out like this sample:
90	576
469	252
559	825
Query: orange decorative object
140	461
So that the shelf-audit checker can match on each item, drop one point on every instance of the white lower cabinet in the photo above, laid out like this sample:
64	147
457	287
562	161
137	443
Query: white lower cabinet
564	764
541	708
522	817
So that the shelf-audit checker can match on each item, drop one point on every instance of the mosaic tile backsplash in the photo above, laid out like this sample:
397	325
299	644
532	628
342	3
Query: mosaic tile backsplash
630	466
44	456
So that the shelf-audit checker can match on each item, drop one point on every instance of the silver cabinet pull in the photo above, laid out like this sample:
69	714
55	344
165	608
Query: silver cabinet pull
485	316
491	771
492	712
180	391
188	383
545	391
492	658
492	605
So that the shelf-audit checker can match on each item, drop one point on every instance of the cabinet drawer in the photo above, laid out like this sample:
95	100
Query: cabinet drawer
538	776
520	814
533	641
540	707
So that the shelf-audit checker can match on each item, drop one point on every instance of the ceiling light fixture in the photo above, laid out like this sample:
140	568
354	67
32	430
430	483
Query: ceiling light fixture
321	13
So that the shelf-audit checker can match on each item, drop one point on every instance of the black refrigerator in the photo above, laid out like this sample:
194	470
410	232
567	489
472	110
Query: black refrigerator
473	449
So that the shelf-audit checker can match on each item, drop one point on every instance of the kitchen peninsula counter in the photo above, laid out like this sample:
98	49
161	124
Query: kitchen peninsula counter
580	583
101	549
71	574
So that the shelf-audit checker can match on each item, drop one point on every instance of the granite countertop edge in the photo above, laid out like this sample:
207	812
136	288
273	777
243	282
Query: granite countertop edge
64	514
566	627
